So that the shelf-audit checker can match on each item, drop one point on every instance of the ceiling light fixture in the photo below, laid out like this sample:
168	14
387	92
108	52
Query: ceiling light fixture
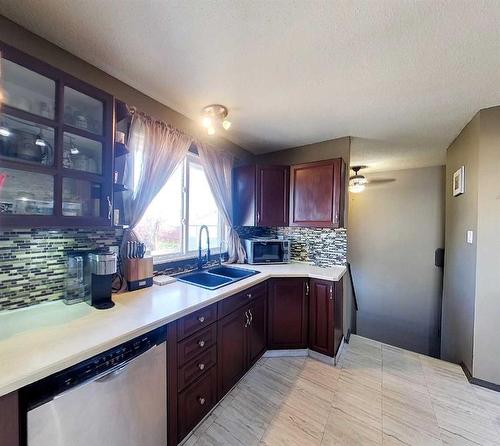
357	182
213	116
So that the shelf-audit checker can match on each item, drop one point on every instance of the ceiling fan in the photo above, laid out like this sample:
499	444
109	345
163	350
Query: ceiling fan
358	182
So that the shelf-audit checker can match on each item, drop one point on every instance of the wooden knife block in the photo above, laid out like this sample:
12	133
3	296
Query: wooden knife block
139	272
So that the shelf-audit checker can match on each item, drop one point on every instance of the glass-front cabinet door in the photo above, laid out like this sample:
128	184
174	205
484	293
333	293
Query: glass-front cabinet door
56	136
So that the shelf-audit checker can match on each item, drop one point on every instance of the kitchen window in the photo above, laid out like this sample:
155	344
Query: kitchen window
172	222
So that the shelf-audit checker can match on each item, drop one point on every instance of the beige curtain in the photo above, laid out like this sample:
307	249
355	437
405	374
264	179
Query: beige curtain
156	149
218	168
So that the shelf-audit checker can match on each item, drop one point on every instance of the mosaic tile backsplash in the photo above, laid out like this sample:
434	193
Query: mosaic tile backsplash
321	246
33	262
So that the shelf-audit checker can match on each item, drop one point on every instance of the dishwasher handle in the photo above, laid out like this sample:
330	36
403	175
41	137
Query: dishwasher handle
112	373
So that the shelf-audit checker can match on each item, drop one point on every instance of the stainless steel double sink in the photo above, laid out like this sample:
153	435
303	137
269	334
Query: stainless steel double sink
217	277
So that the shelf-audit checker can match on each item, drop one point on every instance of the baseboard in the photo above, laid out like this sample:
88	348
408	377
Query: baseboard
285	353
347	336
321	357
303	352
479	382
340	350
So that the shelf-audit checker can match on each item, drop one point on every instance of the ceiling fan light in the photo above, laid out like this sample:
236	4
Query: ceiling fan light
206	122
211	131
359	179
357	188
226	124
357	184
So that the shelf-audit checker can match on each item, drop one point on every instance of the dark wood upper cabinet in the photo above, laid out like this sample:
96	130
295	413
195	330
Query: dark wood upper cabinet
261	195
317	194
287	313
56	147
9	420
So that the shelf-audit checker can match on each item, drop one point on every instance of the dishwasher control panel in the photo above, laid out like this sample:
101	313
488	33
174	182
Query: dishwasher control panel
48	388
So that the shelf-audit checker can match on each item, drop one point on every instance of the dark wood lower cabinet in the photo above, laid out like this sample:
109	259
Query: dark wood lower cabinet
287	314
242	339
196	401
207	354
232	355
321	311
9	420
338	314
257	330
325	316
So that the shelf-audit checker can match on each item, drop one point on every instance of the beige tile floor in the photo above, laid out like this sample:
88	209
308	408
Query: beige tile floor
378	394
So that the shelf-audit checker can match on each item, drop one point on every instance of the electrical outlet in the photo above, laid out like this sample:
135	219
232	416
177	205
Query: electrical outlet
470	236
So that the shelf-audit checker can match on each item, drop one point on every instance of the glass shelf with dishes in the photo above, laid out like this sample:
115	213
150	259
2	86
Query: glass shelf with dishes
26	193
27	90
81	153
25	141
56	147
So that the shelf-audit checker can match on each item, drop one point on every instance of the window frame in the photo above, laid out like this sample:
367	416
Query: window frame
185	253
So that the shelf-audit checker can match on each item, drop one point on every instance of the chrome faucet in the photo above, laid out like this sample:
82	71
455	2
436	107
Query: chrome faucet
200	258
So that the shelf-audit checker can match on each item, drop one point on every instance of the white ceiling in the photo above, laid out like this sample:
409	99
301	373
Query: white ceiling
402	76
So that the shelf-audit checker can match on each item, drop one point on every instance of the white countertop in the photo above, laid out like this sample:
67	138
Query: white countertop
38	341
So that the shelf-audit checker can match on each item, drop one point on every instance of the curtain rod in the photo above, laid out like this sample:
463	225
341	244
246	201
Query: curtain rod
132	110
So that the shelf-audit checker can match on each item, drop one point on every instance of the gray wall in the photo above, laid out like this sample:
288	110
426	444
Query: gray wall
471	298
333	148
24	40
460	258
487	317
394	229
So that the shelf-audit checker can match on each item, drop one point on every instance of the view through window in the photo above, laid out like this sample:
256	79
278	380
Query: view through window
172	222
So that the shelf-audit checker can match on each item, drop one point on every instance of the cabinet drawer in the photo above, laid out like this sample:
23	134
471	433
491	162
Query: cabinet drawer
197	343
195	321
232	303
196	367
196	401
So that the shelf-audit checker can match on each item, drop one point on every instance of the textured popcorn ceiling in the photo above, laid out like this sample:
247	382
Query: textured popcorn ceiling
402	76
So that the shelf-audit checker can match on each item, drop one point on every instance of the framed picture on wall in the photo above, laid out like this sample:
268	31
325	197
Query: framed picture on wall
459	182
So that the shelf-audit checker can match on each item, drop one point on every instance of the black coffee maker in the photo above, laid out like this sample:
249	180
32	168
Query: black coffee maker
102	267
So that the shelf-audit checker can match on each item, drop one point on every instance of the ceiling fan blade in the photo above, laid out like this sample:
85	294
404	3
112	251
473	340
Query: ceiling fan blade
380	181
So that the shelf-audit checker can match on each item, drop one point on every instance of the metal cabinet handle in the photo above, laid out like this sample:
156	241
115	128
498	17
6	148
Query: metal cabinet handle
249	295
201	319
247	323
307	288
258	216
331	292
201	400
251	317
110	207
201	366
201	343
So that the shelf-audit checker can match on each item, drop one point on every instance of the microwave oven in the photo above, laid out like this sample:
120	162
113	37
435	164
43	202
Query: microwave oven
262	251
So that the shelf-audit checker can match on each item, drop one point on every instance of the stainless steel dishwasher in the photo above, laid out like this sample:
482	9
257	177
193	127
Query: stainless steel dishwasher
117	398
